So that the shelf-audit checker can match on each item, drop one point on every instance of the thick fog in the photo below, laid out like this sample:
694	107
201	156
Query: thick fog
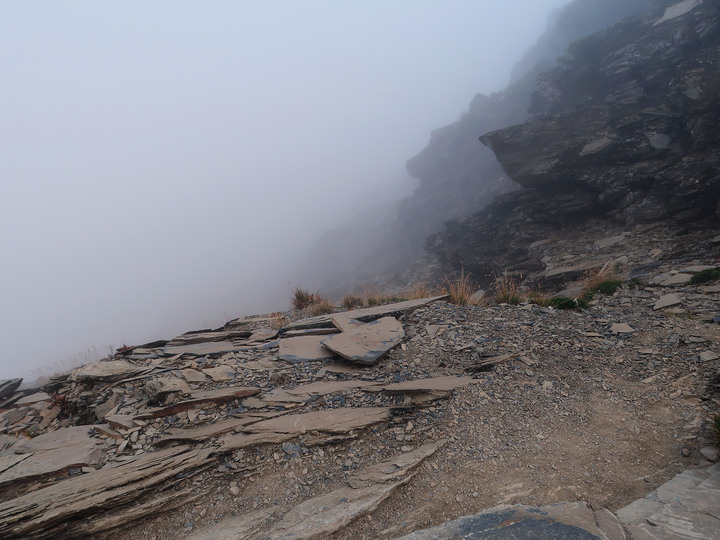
165	165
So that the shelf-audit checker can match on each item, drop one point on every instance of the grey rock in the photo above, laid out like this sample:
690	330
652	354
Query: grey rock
563	521
708	356
8	386
368	343
666	301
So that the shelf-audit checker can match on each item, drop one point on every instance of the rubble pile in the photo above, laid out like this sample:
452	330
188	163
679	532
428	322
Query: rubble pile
272	429
131	427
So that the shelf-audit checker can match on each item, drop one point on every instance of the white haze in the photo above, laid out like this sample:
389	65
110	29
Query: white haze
164	165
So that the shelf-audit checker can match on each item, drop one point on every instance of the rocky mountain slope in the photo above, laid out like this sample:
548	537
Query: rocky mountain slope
624	130
456	175
342	425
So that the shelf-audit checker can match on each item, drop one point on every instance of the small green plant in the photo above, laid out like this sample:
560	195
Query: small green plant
608	287
507	291
351	301
321	307
459	288
715	425
539	298
711	274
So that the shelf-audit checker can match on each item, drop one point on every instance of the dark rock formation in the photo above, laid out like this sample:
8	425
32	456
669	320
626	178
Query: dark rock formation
626	128
456	176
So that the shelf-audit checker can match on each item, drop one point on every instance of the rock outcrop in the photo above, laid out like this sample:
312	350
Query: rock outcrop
625	129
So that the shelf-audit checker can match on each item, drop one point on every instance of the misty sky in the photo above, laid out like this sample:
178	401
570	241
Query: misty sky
165	164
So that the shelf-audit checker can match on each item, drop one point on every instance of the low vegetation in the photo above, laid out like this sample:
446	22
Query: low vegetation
301	298
507	291
321	307
459	288
711	274
351	301
313	302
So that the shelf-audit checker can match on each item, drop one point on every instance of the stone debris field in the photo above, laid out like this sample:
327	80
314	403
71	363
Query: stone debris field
379	422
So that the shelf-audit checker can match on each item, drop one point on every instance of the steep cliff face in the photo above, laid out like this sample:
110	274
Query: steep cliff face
626	128
457	176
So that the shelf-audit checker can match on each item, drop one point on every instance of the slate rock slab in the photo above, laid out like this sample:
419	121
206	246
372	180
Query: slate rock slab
303	349
364	315
366	344
564	521
667	301
8	387
105	371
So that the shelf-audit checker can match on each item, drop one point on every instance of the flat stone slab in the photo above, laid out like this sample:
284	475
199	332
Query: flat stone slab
563	521
326	421
221	395
105	371
303	349
311	332
667	301
329	387
621	328
31	399
62	510
204	349
204	337
193	376
203	433
685	507
166	385
220	373
53	453
672	280
608	242
368	343
432	384
364	315
8	387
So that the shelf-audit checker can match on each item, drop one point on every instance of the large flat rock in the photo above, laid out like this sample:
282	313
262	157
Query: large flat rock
204	349
221	395
431	384
367	343
365	315
303	349
105	371
563	521
326	421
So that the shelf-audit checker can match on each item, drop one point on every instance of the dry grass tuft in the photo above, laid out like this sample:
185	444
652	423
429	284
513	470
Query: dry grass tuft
459	288
540	298
605	282
351	301
301	298
507	291
373	296
321	307
423	290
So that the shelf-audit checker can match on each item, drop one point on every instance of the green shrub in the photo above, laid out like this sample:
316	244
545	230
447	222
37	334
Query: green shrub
608	286
711	274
